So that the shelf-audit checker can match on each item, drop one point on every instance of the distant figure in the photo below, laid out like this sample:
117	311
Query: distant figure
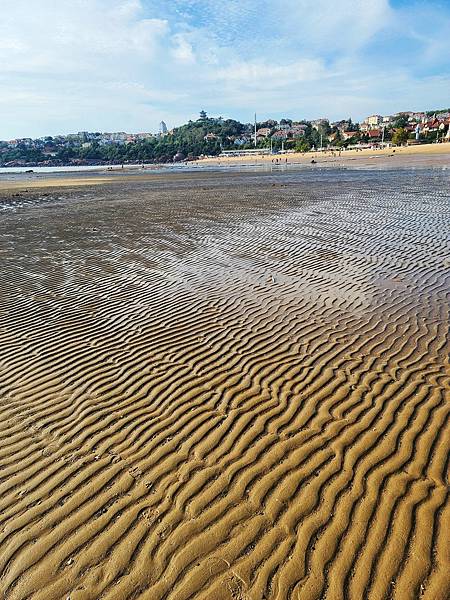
313	162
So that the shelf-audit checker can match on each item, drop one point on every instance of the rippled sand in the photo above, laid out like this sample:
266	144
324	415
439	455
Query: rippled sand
226	387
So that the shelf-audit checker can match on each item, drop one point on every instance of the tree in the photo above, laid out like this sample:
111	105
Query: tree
302	146
400	136
324	129
401	121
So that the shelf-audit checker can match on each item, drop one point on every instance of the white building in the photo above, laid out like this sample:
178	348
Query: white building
374	120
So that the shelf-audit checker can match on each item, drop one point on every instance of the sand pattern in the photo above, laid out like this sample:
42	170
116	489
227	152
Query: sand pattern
226	388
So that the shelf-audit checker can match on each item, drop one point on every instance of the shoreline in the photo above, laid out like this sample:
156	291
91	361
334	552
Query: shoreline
413	157
423	150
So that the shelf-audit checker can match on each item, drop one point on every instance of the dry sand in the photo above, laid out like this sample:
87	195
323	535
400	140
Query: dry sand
226	387
47	181
421	155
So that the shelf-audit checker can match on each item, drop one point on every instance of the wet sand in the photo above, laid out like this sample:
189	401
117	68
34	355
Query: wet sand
228	386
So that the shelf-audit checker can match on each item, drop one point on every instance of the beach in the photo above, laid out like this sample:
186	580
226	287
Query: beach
228	385
415	155
412	157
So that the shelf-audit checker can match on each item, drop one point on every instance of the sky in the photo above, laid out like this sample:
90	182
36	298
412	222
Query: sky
125	65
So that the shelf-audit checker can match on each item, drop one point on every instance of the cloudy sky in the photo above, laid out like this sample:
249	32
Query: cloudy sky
123	65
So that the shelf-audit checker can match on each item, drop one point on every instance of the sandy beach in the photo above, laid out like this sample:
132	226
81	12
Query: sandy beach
227	385
420	155
431	156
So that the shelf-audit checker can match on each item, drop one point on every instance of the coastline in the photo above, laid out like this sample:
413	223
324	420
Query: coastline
425	156
326	157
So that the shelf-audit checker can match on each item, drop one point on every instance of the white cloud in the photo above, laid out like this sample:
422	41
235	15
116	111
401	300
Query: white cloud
336	24
64	36
126	64
182	50
264	74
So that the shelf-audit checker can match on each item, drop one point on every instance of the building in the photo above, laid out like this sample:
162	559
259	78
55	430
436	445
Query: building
251	152
162	128
419	117
318	123
374	134
280	134
297	131
431	126
373	122
346	135
344	125
263	132
142	136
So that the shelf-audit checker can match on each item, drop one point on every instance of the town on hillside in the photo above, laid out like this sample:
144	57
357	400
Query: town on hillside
213	136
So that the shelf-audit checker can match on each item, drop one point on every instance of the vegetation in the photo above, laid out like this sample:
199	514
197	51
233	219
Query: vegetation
302	146
401	121
430	113
206	135
400	136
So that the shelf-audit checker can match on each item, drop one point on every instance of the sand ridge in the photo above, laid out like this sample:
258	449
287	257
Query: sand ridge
226	388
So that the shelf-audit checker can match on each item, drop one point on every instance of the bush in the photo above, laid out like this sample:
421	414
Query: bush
400	137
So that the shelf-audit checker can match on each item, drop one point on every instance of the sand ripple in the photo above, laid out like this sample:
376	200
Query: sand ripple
226	388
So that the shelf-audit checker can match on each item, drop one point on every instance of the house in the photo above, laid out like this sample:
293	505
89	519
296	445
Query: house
419	117
431	126
20	142
281	134
346	135
373	121
210	137
263	132
374	134
297	131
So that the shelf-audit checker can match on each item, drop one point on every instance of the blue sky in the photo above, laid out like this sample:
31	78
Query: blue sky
123	65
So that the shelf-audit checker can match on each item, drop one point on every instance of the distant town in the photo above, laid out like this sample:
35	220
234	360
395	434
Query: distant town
213	136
